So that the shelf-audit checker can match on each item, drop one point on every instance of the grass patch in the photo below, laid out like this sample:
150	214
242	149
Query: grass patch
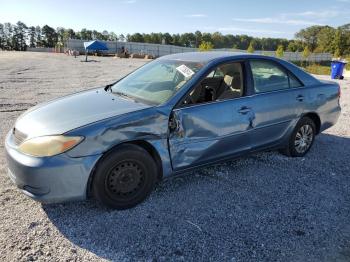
347	67
318	69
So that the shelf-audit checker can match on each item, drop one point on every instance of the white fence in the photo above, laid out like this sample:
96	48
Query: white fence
41	49
293	56
157	50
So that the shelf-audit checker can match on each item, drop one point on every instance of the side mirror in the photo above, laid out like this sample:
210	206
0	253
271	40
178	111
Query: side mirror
172	123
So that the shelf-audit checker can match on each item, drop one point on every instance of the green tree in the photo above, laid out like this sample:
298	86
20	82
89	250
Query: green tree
49	36
309	36
68	34
324	39
294	46
104	35
306	53
251	48
244	42
137	37
85	34
8	32
280	51
337	53
338	43
206	46
2	37
198	35
38	37
235	46
217	40
167	38
188	39
316	38
113	36
31	35
20	36
176	39
206	37
60	35
122	38
155	38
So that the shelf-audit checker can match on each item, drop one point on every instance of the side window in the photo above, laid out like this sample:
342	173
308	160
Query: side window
224	82
268	76
219	73
294	82
215	73
211	74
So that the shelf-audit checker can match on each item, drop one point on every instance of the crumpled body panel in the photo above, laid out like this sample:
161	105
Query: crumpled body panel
149	125
208	132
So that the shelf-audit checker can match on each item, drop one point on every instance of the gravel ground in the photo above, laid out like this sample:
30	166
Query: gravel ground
264	207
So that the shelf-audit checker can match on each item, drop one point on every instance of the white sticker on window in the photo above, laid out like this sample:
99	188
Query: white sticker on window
183	69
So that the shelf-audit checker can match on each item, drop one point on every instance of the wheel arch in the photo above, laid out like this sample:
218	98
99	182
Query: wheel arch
316	119
139	143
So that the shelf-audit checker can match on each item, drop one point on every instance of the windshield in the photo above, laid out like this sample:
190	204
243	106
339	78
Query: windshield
157	81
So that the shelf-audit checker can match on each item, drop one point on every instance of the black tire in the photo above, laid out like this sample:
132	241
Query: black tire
294	149
124	177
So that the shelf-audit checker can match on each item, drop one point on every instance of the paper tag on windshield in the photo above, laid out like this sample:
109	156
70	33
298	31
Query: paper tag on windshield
183	69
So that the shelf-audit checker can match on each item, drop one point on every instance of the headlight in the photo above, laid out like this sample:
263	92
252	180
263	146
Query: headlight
49	145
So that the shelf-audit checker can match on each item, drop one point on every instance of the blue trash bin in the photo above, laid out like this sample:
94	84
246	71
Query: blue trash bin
337	68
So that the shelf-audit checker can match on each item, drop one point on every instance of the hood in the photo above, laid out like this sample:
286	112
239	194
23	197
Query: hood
64	114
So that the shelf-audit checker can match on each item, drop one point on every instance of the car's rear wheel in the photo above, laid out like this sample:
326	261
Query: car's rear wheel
301	139
124	177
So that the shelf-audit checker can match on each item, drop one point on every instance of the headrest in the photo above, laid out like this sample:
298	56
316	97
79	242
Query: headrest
228	80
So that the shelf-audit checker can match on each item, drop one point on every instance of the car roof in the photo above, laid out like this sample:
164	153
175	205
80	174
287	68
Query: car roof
206	57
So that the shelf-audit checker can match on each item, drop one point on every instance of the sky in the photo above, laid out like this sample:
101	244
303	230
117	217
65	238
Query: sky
264	18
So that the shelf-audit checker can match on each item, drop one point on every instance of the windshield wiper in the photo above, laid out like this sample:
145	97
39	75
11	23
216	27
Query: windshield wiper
108	87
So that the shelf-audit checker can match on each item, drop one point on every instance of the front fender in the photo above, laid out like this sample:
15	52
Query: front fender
103	136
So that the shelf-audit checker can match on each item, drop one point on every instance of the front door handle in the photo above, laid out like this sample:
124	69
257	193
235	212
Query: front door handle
300	98
244	110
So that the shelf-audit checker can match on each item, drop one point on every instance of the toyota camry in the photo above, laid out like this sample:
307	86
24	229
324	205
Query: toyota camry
173	114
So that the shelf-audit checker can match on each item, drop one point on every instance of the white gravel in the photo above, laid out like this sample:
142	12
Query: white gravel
264	207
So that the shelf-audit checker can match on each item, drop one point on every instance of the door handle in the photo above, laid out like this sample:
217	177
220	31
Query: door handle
244	110
300	98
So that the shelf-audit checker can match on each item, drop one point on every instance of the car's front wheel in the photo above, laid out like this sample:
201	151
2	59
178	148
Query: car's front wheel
124	177
301	139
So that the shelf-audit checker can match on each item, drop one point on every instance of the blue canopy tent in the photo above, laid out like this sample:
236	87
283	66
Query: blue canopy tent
94	46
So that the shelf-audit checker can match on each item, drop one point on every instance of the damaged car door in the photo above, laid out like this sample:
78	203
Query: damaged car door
206	131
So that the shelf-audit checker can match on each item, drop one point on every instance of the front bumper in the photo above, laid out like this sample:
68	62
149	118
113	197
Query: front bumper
49	179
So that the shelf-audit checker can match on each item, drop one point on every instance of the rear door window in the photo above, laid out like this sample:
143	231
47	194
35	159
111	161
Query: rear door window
268	76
